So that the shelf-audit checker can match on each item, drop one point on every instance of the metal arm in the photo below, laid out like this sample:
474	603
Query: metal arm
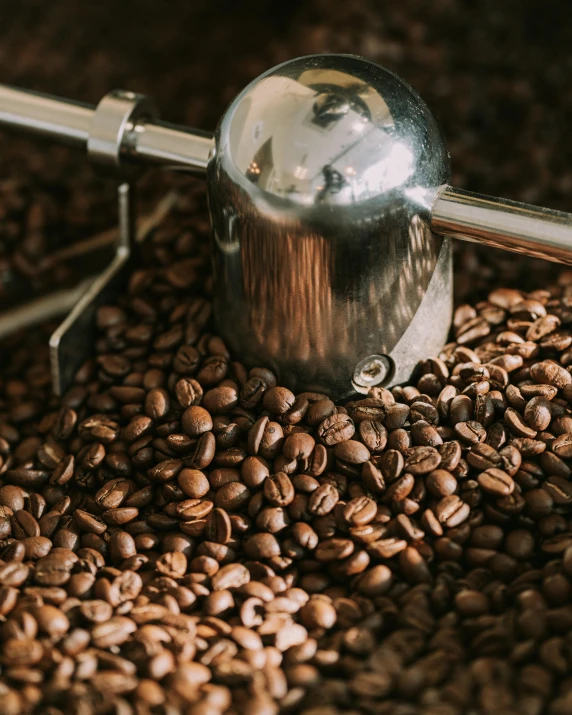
146	141
500	223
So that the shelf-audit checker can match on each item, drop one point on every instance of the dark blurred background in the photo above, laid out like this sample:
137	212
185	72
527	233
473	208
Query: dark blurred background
498	75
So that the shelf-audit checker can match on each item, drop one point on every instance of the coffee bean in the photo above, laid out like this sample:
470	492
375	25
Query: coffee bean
460	409
387	548
470	432
279	490
232	497
113	632
441	483
376	581
230	576
496	482
392	464
413	566
373	435
64	471
360	511
12	497
218	526
88	522
196	421
352	452
262	546
271	440
421	460
452	511
323	500
516	425
278	400
173	564
559	489
483	456
549	373
336	429
193	483
112	494
562	446
99	428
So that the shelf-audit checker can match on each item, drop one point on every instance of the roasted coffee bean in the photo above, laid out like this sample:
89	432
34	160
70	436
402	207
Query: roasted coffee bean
336	429
482	456
496	481
112	494
452	511
323	500
562	446
392	464
360	511
99	428
351	452
550	373
196	421
373	435
279	490
470	432
559	489
441	483
188	392
193	483
278	400
421	460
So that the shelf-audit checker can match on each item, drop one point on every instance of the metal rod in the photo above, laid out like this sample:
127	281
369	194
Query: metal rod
500	223
42	115
70	123
171	145
41	309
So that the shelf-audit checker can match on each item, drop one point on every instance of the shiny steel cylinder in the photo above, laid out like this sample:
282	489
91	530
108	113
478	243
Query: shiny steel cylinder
320	187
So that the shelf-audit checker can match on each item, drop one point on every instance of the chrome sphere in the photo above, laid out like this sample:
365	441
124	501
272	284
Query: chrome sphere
320	189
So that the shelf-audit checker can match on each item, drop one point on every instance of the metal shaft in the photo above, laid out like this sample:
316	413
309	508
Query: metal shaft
513	226
149	142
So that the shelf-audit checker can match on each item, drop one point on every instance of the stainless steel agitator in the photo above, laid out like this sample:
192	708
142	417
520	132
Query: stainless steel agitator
327	182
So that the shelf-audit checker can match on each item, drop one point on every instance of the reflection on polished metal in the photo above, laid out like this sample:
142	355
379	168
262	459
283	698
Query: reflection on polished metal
499	223
320	193
327	184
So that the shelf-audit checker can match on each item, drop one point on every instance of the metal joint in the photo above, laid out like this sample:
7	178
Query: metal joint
111	141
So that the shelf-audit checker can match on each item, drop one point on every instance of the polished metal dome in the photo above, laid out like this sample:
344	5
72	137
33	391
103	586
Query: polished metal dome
320	186
332	130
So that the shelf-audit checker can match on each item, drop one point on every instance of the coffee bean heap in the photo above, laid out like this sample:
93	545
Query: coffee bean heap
181	534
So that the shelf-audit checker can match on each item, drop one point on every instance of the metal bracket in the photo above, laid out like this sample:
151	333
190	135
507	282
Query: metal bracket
71	344
108	145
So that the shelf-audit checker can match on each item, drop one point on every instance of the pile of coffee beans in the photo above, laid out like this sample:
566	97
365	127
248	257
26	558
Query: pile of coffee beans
182	534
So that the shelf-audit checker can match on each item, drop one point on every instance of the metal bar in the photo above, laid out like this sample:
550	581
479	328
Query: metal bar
172	146
500	223
43	115
41	309
69	123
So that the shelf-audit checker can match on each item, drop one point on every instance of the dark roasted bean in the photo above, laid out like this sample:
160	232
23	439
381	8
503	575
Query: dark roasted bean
496	481
421	460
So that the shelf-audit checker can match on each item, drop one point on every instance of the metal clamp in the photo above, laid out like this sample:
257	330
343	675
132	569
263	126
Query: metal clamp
112	133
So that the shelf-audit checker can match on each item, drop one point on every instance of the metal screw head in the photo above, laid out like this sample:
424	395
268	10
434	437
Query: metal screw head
372	370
